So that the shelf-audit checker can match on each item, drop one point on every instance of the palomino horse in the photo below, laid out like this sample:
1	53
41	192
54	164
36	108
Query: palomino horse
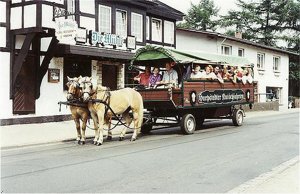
120	101
78	112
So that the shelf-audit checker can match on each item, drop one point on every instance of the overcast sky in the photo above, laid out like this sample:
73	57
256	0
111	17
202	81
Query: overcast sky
184	5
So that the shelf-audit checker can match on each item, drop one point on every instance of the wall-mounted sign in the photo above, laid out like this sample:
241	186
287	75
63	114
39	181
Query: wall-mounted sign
53	75
221	96
81	36
131	42
105	39
66	30
61	12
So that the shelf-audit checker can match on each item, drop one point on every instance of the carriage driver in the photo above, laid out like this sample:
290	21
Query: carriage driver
170	76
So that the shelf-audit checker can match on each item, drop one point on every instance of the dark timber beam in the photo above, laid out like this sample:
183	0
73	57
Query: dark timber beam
45	64
21	56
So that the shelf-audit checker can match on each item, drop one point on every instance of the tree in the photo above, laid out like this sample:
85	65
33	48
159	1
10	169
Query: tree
200	16
264	21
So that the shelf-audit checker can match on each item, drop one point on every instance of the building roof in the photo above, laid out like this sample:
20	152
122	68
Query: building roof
248	42
154	7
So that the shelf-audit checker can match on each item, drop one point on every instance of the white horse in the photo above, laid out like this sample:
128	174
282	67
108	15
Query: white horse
120	101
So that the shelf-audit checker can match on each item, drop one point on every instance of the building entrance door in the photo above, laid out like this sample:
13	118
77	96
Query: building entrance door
109	76
24	88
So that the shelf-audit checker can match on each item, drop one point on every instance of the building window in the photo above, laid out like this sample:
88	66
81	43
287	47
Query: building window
147	28
226	50
169	32
121	23
276	64
241	52
104	19
137	26
156	30
71	8
260	61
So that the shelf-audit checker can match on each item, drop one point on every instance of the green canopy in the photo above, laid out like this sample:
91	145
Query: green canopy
152	53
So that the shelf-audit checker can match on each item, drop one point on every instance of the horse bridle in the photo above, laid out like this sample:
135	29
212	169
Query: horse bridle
76	87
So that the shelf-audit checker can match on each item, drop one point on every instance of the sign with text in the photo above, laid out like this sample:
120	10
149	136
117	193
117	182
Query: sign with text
221	96
105	39
66	30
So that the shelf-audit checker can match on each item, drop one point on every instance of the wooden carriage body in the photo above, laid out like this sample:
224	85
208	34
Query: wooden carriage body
207	98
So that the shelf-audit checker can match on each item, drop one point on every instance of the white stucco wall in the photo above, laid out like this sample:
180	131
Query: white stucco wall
5	102
199	42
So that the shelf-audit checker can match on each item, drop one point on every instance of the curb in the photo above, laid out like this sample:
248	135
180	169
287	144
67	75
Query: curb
265	176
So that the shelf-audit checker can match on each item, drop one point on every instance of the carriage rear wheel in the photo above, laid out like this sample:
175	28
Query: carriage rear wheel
237	117
188	124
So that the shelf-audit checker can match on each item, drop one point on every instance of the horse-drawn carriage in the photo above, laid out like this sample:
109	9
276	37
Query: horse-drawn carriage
189	102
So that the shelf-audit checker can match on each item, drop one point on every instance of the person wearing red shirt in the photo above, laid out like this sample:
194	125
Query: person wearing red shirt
143	78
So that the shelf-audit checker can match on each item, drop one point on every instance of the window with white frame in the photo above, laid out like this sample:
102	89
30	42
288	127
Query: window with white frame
276	64
156	30
226	49
137	26
104	19
71	8
260	61
147	28
169	32
241	52
121	23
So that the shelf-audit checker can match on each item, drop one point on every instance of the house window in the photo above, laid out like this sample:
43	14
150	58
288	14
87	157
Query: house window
226	50
276	64
260	61
137	26
104	19
71	8
156	30
169	32
147	28
241	52
121	23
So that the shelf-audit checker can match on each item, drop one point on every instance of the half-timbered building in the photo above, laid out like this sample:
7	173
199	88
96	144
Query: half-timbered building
44	41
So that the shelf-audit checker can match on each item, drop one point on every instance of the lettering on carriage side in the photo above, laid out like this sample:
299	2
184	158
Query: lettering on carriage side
220	96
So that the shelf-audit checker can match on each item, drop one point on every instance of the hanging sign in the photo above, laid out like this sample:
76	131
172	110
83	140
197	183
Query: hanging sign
66	30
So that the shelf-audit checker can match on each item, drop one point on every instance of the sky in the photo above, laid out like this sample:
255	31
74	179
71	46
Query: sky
184	5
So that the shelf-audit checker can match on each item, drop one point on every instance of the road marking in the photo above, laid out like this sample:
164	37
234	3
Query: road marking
265	176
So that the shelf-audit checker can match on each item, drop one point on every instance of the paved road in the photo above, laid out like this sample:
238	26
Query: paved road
215	159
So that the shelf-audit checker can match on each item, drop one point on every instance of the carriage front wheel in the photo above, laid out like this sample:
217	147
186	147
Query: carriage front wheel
146	127
188	124
237	117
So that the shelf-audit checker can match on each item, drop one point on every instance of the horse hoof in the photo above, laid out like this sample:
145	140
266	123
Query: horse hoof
95	142
121	138
79	142
99	144
133	139
109	138
82	142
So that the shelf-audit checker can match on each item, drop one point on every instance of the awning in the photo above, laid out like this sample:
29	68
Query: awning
153	53
94	52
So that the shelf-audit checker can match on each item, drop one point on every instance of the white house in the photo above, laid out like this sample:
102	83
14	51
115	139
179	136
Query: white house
271	65
38	50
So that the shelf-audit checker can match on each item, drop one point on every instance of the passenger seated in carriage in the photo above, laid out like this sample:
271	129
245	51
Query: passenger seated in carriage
196	73
209	74
143	78
218	74
155	78
170	77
